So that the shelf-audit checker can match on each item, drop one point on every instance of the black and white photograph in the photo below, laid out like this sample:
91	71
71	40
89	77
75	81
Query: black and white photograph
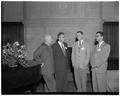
60	47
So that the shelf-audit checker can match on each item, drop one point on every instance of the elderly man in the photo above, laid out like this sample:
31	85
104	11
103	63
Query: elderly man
44	55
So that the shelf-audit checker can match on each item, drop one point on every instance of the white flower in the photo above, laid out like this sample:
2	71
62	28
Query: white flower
20	50
22	47
4	51
20	56
8	45
16	43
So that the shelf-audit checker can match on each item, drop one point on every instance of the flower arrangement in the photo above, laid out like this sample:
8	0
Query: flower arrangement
14	55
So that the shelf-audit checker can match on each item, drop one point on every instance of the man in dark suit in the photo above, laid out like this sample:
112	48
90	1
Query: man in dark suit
61	61
44	55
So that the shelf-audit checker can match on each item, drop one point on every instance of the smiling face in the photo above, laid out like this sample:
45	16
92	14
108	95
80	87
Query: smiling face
99	38
79	36
61	38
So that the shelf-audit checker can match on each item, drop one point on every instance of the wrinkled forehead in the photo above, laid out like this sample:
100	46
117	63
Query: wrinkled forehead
48	37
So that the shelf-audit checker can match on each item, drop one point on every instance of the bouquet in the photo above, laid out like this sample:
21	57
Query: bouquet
14	55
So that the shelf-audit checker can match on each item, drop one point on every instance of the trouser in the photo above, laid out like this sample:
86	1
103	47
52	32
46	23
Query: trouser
99	81
61	80
80	79
50	84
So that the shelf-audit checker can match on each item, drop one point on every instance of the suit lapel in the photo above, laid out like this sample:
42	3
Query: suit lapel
101	47
59	47
103	44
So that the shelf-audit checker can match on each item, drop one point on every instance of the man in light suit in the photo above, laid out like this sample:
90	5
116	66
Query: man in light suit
99	64
44	55
80	60
61	62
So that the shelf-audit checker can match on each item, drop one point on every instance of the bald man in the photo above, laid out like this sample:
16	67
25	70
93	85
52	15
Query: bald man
44	55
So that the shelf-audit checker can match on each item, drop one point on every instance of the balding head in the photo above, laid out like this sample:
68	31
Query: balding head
48	39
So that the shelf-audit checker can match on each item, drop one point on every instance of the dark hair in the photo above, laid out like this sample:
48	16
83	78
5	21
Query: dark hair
100	32
95	42
76	39
60	33
57	40
80	32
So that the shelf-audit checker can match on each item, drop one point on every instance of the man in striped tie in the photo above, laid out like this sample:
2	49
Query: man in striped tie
61	62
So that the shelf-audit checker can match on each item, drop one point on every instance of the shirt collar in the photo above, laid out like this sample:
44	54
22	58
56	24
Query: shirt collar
46	44
101	43
81	42
60	43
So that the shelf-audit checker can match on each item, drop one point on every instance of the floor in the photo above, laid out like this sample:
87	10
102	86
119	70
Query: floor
112	77
71	85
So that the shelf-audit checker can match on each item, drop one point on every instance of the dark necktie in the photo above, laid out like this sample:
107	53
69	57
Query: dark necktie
63	49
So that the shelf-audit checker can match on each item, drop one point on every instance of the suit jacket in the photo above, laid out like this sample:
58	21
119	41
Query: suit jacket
60	59
80	58
44	53
99	58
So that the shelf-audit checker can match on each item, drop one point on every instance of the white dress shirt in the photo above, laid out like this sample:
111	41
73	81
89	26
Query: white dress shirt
61	44
100	43
62	47
81	42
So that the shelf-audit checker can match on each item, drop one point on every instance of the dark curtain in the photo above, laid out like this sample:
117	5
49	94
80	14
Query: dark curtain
11	32
111	36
